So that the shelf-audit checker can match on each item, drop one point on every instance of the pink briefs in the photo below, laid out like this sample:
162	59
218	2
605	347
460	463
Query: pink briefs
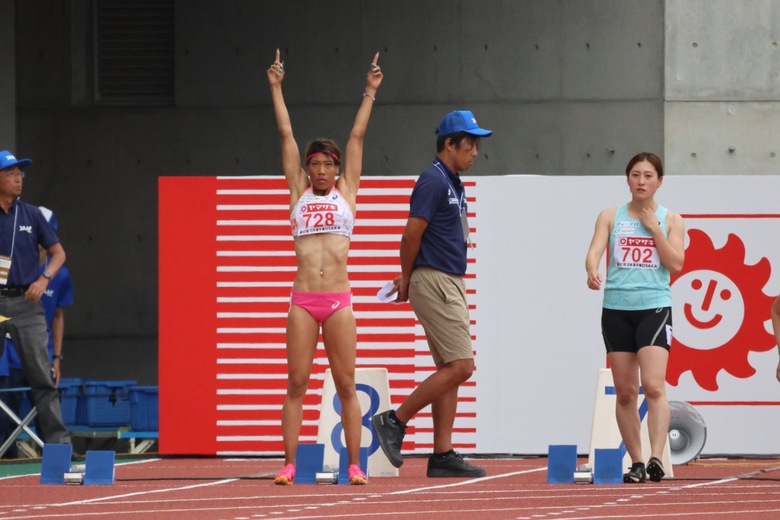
321	304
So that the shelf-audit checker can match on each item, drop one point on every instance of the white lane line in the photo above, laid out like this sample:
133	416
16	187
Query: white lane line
467	482
148	492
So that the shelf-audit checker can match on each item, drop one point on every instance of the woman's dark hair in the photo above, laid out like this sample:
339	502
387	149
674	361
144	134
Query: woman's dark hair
326	146
649	157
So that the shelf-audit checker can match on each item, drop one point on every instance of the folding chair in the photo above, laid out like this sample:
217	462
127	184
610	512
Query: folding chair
22	425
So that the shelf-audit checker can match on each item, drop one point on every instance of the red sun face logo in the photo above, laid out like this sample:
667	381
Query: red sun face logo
719	312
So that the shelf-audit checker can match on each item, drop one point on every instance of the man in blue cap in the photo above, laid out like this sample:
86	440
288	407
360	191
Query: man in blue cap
23	228
433	262
58	295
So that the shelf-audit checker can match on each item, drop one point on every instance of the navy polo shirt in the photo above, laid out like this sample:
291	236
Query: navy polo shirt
23	228
439	197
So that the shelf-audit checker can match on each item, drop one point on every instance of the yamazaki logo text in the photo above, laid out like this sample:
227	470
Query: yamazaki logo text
637	241
318	207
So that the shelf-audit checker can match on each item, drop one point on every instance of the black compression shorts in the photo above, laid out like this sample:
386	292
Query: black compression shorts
628	331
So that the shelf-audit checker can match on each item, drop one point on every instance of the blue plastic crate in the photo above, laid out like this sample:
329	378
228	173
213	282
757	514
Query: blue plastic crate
144	408
108	402
71	399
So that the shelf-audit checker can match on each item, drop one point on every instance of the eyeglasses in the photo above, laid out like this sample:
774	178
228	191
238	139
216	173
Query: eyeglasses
13	173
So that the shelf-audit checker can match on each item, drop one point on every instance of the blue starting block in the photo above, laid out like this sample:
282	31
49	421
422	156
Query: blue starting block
344	464
607	466
55	463
56	469
561	463
309	460
99	468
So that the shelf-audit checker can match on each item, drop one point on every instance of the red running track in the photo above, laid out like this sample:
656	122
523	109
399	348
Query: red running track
515	488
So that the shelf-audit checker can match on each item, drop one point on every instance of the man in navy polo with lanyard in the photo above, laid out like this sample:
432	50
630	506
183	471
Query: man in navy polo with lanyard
22	228
433	262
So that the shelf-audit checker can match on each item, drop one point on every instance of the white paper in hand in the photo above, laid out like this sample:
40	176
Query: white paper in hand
387	293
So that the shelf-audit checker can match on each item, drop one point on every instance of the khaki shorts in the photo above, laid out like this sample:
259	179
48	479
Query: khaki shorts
439	301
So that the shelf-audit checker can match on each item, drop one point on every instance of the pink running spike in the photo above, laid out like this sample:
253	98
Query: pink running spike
286	477
356	475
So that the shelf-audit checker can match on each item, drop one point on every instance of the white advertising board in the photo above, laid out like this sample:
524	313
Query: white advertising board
538	325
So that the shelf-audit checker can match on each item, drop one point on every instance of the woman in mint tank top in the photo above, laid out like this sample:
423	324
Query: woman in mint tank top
645	245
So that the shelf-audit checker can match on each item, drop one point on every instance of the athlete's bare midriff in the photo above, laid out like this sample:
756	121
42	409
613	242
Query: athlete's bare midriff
322	263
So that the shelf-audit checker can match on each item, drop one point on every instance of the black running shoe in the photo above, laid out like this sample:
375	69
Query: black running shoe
655	469
452	465
636	474
390	436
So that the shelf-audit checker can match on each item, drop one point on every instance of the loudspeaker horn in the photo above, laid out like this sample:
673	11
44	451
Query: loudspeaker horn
687	432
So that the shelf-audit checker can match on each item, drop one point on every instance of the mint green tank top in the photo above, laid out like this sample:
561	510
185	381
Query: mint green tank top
636	278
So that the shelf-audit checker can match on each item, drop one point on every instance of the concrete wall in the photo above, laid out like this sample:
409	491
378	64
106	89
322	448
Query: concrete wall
7	78
722	86
570	87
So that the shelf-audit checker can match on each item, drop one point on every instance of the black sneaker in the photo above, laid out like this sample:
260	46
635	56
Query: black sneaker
452	465
636	474
390	435
655	469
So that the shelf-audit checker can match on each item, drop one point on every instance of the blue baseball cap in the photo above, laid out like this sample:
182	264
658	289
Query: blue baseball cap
7	160
461	121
